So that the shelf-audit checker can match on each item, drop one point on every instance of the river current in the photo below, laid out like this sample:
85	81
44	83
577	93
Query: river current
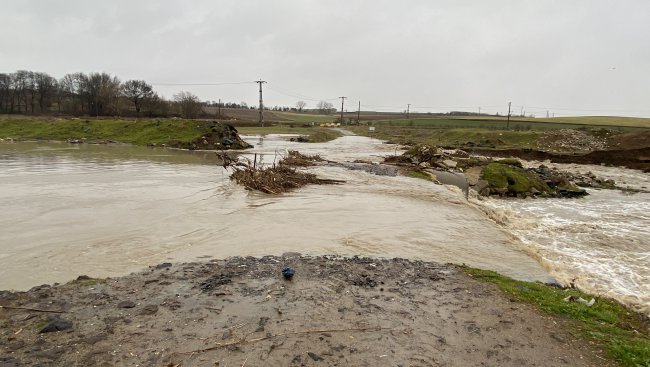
108	210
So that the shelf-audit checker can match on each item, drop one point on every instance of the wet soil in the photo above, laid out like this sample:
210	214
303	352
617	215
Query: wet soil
630	158
241	311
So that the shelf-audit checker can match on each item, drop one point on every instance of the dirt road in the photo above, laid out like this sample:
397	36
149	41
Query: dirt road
236	312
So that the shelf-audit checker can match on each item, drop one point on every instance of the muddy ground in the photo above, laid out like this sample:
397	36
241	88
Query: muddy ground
630	158
240	311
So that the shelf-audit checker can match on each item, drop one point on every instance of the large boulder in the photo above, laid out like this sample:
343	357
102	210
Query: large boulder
510	180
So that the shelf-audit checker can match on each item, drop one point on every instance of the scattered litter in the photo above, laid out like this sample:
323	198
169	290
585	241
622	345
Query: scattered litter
579	300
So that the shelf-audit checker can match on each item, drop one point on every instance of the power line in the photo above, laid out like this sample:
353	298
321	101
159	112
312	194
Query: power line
199	84
300	96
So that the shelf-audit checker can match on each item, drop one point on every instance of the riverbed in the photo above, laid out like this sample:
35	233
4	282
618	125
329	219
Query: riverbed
108	210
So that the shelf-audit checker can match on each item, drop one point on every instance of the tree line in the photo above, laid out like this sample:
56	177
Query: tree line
93	94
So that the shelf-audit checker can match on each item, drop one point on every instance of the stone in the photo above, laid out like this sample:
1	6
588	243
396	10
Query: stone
56	324
148	310
126	304
314	356
482	187
449	163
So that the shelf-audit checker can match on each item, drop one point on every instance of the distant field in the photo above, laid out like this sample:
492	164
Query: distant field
248	115
305	117
500	123
576	120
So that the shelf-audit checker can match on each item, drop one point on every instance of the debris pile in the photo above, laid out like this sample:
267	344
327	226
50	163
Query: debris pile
219	137
275	179
497	177
296	159
571	140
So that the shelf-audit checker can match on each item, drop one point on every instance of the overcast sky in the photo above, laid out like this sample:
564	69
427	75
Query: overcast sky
571	57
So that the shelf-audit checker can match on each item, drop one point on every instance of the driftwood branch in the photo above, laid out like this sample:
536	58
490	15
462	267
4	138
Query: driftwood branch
31	309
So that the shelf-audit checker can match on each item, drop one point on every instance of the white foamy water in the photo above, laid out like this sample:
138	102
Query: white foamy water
600	243
110	210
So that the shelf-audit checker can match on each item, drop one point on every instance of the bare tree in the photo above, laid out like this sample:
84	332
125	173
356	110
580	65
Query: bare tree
325	107
137	91
300	105
6	93
46	86
101	91
189	103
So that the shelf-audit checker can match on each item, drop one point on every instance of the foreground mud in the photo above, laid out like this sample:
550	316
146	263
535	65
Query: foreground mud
240	311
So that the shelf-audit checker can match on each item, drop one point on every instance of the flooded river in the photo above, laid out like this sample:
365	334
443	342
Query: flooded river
104	211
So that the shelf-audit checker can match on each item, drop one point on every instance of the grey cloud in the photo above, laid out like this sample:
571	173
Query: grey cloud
579	55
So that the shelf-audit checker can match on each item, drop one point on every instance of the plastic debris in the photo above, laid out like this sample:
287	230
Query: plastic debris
288	273
580	300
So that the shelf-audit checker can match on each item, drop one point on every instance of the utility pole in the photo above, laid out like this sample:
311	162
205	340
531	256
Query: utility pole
261	119
219	110
342	100
479	110
408	109
521	112
359	113
508	123
546	113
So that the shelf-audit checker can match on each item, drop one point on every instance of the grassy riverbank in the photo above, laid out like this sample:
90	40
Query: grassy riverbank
134	131
623	334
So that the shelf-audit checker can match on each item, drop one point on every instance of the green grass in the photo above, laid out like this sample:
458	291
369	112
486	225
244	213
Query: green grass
541	123
139	132
622	333
453	137
612	121
519	123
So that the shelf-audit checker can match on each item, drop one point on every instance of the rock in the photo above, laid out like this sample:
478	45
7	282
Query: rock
482	187
449	163
56	324
148	310
163	265
126	304
288	273
52	354
511	180
83	277
460	153
314	356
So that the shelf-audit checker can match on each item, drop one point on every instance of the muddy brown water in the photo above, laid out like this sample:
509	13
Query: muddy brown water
108	210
